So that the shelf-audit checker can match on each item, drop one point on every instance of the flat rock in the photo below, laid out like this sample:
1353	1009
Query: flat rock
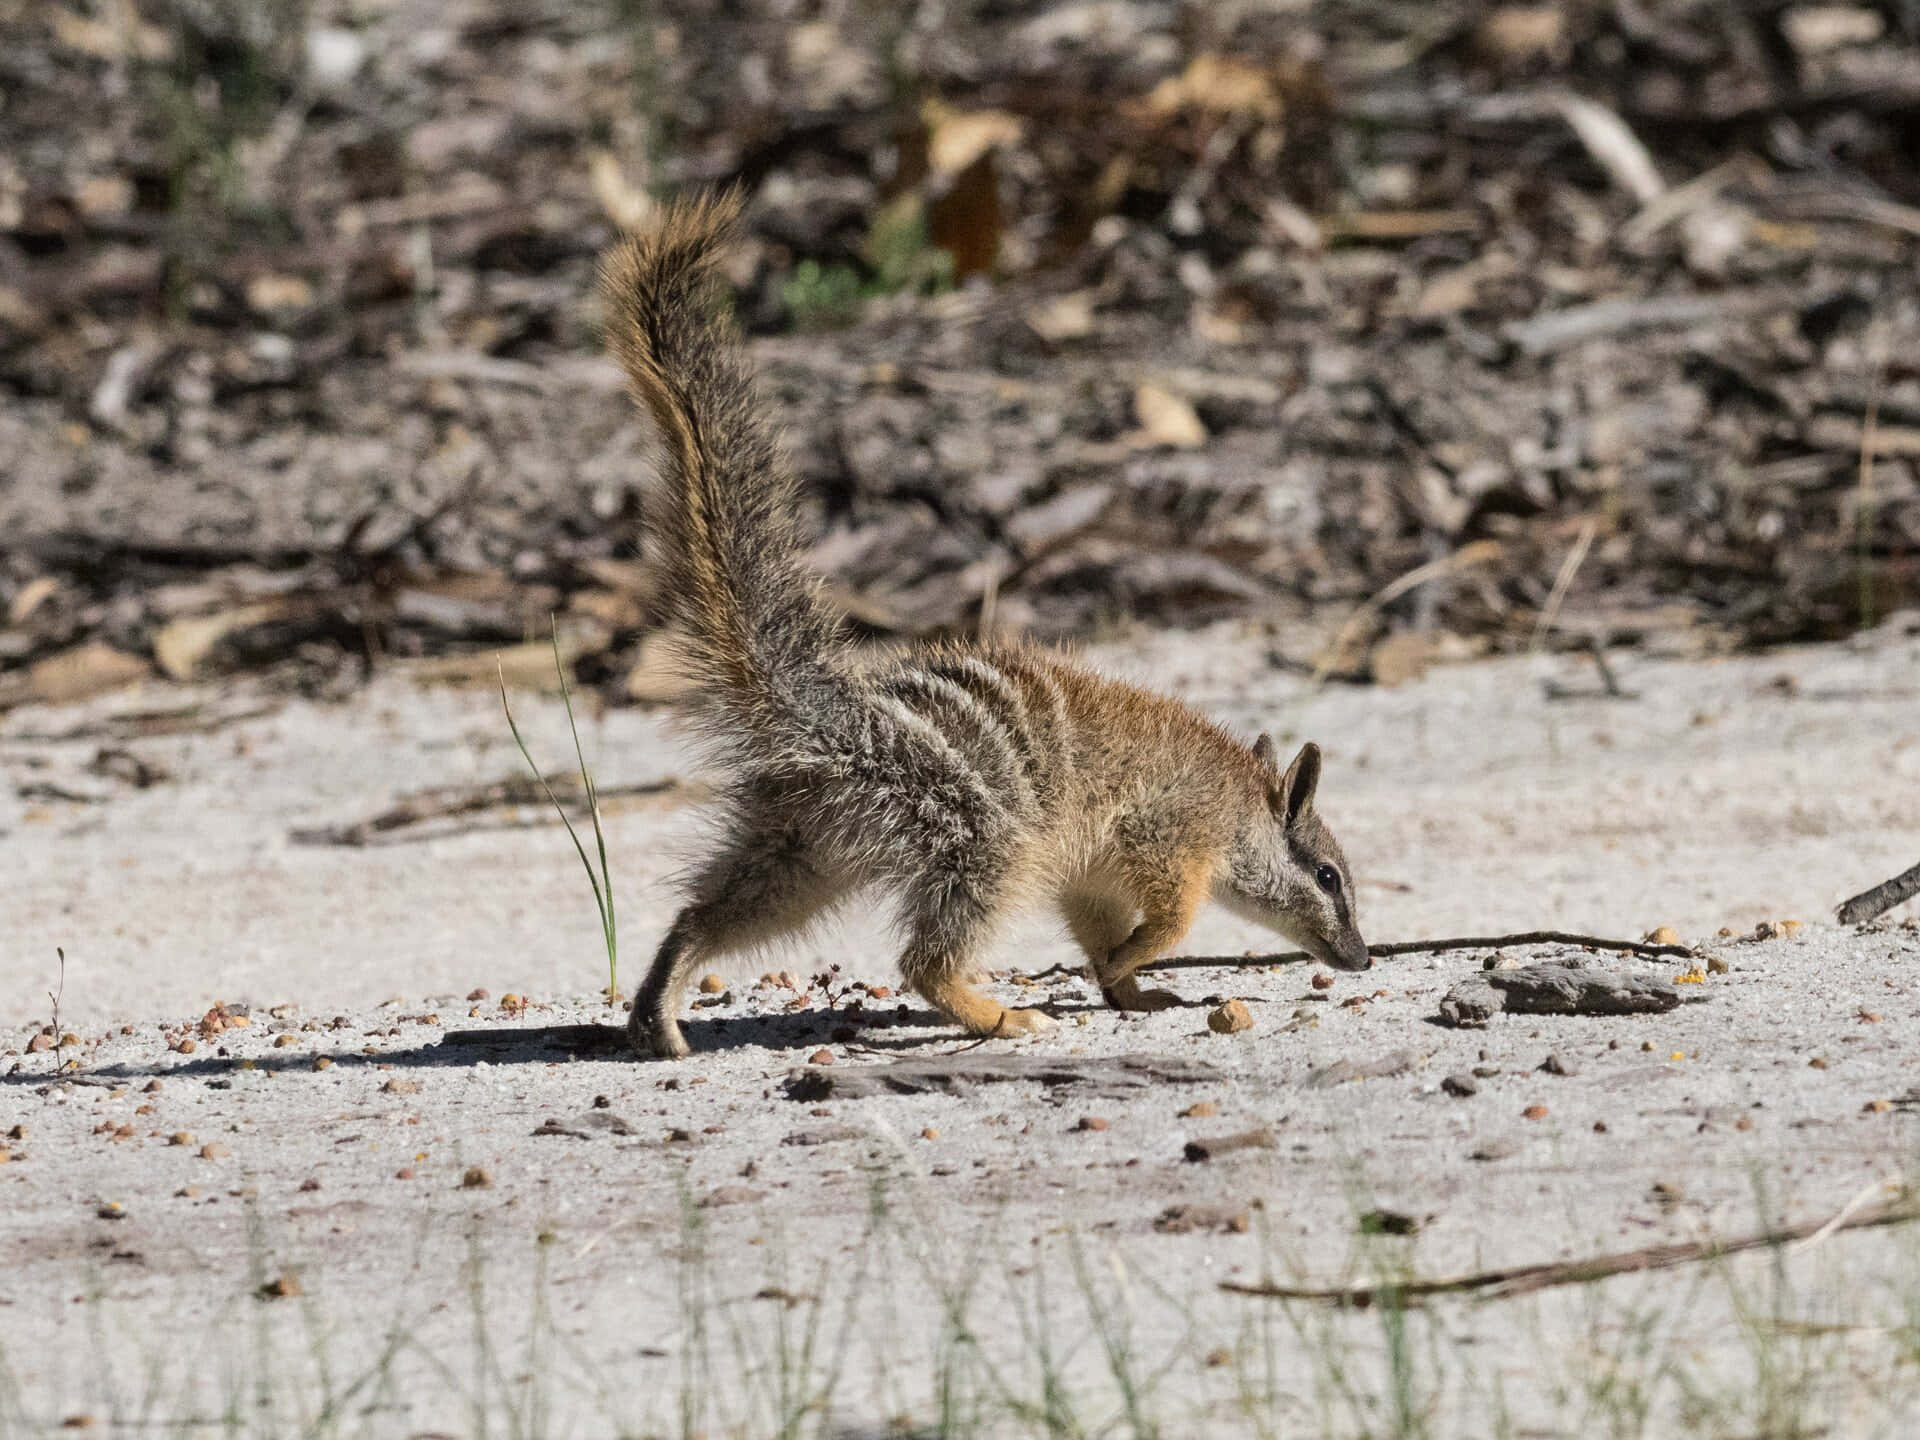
1555	988
959	1074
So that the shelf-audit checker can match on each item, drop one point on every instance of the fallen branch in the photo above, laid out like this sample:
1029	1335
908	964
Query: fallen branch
1526	1279
1425	947
411	813
1881	898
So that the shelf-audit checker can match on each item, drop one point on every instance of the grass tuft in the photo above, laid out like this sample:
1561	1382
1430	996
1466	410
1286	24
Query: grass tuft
600	879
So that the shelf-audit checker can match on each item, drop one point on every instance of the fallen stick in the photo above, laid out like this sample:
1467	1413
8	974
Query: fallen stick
411	813
1424	947
1881	898
1526	1279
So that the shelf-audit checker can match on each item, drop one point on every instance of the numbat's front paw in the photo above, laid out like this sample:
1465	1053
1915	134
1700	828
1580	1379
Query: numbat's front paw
1127	995
1024	1022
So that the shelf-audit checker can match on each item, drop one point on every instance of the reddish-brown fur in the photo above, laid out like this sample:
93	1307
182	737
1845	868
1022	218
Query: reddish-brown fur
966	780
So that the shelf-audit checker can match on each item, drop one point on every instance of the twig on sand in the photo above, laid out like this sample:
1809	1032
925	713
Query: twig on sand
1424	947
1881	898
1526	1279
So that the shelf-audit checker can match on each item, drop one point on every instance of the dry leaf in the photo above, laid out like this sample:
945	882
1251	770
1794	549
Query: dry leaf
1524	34
1066	317
30	597
182	645
1220	84
123	34
625	205
269	293
1166	419
965	220
957	138
85	670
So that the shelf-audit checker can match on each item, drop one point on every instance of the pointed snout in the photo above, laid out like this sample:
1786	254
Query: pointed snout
1348	952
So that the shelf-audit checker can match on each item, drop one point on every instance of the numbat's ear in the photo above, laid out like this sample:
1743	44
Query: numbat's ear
1264	752
1292	796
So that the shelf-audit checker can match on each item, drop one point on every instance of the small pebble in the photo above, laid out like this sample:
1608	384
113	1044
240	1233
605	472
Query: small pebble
1664	935
1460	1085
1534	1112
477	994
1554	1065
478	1177
1716	966
820	1057
929	1133
1230	1019
1200	1110
285	1287
1092	1122
180	1137
712	985
280	1042
323	1062
214	1150
1322	980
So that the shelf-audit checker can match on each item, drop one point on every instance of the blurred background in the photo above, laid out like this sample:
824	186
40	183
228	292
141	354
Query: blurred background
1413	331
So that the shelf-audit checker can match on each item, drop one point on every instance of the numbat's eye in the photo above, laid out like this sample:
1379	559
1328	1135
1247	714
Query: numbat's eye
1328	879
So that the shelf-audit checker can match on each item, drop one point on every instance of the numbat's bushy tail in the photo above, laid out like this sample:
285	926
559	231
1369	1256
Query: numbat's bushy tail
964	779
759	637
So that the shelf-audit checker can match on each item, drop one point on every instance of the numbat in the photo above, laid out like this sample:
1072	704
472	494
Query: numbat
965	779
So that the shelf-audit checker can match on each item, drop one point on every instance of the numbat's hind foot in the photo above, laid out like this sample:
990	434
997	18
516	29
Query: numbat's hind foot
656	1037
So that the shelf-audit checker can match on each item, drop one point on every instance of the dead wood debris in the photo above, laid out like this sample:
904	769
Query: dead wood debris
1260	324
1120	1075
423	815
1424	947
1505	1284
1871	904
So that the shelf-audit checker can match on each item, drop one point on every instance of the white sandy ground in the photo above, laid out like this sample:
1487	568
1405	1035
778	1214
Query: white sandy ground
954	1283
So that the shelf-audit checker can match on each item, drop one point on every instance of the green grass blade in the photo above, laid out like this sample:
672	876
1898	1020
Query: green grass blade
608	924
599	901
